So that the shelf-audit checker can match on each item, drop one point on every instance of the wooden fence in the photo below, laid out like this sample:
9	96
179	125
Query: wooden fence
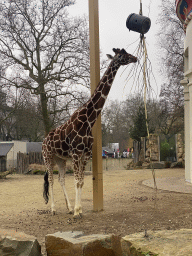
24	160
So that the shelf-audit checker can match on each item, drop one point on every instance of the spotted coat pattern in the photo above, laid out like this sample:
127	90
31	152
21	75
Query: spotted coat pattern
74	139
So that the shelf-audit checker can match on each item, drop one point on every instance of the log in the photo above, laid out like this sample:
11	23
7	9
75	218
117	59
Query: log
4	174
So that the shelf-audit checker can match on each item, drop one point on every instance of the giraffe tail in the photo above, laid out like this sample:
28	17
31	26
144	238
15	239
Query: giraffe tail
46	188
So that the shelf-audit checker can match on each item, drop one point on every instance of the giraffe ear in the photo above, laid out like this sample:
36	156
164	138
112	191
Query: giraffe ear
110	56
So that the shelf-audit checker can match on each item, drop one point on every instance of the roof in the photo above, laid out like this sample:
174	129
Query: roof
5	148
34	147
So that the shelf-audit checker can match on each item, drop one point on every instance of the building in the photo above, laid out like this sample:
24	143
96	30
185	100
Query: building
184	12
4	154
9	150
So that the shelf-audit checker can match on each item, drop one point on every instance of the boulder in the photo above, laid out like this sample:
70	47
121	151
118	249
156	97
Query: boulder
146	165
180	160
161	243
180	150
153	165
17	243
157	165
77	244
178	164
173	165
179	155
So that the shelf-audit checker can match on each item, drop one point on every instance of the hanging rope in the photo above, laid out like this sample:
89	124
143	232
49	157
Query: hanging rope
141	10
145	57
142	70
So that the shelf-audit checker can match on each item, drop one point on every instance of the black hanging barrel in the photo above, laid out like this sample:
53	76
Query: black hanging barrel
138	23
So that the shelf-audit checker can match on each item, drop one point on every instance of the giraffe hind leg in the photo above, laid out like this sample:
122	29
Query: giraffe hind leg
62	167
51	181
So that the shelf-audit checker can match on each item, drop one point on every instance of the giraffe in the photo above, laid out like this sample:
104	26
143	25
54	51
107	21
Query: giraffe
74	138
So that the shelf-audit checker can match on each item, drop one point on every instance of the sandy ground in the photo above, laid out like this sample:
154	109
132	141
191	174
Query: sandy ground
129	206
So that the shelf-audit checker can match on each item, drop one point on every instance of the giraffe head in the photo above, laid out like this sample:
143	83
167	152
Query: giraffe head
122	57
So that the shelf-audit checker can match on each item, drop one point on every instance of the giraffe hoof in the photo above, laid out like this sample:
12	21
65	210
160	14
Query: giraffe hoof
53	213
77	216
70	212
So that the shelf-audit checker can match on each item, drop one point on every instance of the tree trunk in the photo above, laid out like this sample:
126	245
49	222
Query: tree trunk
45	114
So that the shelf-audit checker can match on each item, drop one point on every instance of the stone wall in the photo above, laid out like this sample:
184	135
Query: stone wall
180	149
152	150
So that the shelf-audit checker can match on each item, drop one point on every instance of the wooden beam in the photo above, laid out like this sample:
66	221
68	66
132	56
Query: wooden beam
95	79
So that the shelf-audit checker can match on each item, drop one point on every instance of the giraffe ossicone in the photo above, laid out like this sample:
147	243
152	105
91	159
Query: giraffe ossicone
74	138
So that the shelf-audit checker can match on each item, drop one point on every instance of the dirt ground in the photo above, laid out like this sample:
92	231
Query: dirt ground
129	206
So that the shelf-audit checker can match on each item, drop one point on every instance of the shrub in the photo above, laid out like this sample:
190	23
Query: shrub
38	169
69	169
165	148
38	172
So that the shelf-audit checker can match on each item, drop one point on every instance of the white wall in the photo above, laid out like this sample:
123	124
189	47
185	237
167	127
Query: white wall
19	146
187	83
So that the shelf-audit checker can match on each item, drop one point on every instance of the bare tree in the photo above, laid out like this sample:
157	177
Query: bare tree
20	116
171	115
27	120
4	114
44	51
119	117
171	42
113	129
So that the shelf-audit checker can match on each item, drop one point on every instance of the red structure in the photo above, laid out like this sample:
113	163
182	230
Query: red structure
183	9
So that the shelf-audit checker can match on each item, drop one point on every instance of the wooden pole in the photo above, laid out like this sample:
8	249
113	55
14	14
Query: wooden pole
95	79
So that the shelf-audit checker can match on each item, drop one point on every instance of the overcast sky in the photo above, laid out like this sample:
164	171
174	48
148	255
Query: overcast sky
114	34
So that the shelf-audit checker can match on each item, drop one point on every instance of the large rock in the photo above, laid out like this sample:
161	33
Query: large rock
146	165
161	243
77	244
153	165
157	165
14	243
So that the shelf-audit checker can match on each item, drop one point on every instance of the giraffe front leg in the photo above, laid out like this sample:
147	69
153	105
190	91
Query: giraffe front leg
79	168
78	207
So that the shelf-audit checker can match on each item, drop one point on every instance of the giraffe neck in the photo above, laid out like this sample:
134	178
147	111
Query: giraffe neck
98	98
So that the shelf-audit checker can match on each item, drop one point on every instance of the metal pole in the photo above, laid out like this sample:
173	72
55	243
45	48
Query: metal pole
95	79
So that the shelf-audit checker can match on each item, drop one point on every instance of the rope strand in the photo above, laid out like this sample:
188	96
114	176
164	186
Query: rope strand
145	57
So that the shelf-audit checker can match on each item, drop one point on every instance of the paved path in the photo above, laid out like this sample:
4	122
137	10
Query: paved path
175	184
